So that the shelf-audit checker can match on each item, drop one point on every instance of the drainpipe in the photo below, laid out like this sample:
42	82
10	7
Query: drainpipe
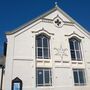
2	77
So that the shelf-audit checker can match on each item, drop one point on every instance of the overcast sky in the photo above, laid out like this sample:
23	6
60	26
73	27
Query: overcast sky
14	13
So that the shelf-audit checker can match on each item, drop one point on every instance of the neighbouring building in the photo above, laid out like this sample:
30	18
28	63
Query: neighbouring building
51	52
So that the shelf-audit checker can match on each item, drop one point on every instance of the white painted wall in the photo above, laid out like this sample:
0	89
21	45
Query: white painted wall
21	62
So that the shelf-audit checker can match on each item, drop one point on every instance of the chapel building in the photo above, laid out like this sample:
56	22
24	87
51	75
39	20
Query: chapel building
51	52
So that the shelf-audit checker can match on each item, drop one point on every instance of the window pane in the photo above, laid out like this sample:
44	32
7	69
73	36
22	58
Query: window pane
81	76
76	45
45	42
43	77
40	77
46	53
71	45
39	42
39	52
78	55
16	86
47	77
73	55
75	77
75	49
42	43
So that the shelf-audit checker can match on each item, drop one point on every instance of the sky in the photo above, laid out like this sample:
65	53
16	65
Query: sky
14	13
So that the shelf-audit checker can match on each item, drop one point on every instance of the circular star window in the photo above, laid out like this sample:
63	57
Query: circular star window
57	21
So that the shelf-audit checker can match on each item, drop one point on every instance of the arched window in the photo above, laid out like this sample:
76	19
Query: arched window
16	84
75	49
42	46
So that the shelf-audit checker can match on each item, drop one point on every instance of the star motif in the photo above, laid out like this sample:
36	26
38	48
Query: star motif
58	22
61	52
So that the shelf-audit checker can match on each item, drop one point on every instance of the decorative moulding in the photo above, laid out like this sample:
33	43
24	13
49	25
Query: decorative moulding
74	34
57	21
61	52
42	31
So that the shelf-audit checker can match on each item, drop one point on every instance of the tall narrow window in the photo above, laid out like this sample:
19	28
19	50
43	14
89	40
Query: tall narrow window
43	77
75	49
42	47
16	84
79	77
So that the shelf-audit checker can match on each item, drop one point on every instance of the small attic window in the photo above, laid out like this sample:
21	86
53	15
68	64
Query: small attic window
16	84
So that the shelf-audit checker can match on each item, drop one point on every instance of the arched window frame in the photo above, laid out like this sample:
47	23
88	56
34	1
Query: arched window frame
76	52
18	82
44	36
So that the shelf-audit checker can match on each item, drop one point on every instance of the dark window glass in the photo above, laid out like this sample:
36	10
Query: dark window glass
75	77
71	45
39	42
45	42
39	52
78	55
45	53
73	55
40	77
81	76
76	45
47	77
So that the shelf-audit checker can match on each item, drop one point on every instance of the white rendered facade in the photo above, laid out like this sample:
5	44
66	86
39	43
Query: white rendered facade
22	60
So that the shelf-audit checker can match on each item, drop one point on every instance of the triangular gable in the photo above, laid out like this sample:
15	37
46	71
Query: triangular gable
56	8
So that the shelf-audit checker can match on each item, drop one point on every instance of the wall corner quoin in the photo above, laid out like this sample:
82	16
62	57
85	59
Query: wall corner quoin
9	62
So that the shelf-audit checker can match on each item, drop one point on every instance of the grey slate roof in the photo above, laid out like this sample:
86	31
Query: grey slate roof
42	16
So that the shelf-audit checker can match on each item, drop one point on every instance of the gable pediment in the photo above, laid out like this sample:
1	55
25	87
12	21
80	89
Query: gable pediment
56	16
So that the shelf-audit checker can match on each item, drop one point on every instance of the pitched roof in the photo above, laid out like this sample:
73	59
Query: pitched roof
42	16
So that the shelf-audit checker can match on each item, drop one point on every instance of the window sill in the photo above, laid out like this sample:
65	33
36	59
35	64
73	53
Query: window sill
43	59
47	86
84	84
77	62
